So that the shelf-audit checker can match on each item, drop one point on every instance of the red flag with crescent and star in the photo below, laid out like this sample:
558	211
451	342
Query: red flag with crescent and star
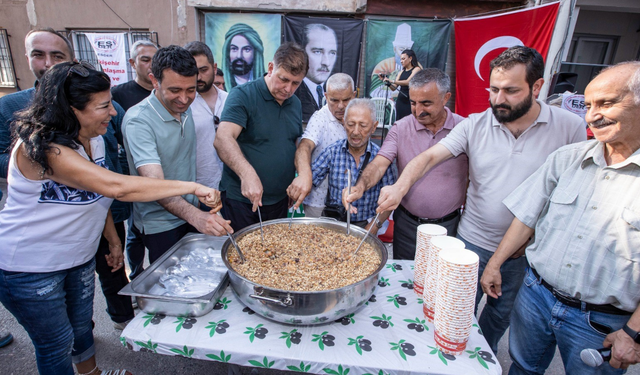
481	39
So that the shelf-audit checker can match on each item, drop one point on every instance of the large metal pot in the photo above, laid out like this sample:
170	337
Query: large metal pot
305	307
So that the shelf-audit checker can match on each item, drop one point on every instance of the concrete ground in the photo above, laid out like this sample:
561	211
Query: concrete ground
19	357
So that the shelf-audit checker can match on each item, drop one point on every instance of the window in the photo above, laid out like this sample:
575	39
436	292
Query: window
84	50
588	55
7	70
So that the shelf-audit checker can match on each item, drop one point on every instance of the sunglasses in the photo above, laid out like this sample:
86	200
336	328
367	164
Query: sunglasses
81	68
216	120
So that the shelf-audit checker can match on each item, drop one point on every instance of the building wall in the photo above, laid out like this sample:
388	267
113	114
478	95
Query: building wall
174	21
623	25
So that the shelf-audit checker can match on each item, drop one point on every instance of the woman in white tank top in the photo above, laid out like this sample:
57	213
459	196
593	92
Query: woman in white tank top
59	193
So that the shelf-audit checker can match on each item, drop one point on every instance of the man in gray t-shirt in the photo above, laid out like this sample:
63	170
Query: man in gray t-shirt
505	144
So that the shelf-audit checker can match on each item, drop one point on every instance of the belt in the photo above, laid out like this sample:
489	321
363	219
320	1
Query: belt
421	220
573	302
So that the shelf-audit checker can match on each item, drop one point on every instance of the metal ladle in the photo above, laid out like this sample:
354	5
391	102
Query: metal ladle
261	230
375	220
349	206
235	244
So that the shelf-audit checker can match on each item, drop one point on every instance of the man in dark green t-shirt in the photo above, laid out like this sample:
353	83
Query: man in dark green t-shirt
256	140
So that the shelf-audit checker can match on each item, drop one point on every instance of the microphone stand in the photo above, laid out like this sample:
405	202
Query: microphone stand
386	98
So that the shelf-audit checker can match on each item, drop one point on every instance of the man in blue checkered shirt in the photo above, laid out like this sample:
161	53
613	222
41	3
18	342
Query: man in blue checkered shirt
351	154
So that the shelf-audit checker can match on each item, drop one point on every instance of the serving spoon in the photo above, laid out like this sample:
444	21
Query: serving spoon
375	220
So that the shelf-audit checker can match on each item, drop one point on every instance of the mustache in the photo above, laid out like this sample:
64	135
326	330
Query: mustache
503	106
323	68
424	114
602	122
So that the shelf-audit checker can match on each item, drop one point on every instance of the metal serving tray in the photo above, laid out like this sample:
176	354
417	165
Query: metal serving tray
142	285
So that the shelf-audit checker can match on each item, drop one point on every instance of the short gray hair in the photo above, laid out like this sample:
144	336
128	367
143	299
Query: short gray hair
142	42
634	82
361	102
426	76
339	82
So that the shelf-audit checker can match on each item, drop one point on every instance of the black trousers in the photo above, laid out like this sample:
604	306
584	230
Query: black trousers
159	243
405	233
118	307
241	215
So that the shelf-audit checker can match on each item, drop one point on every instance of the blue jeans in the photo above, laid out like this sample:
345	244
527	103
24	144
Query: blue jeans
55	308
496	314
540	322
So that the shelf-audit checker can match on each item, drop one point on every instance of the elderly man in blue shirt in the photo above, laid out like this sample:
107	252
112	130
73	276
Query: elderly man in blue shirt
353	154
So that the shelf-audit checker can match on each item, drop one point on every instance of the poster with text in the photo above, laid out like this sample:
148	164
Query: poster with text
387	39
242	43
111	53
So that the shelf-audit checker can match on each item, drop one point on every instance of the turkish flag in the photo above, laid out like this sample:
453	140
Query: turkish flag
481	39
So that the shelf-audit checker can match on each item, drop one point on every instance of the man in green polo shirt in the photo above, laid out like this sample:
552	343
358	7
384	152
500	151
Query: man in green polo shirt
160	139
256	140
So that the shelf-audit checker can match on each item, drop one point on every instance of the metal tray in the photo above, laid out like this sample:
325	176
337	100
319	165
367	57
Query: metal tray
142	285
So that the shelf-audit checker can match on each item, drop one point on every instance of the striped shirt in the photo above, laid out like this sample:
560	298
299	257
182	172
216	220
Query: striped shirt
334	161
586	216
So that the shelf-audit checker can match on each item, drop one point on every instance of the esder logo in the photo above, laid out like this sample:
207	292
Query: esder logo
106	44
574	103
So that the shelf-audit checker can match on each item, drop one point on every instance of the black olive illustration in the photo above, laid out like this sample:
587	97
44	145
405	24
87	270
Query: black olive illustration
365	345
328	340
261	332
407	348
222	327
486	356
295	337
157	318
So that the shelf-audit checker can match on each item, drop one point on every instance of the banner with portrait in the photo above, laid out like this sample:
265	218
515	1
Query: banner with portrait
333	44
242	43
387	39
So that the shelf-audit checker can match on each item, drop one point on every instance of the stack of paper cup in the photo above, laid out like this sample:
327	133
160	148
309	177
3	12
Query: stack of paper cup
438	243
456	295
423	243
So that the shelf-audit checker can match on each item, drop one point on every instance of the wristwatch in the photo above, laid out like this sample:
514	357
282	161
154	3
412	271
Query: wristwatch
635	335
379	224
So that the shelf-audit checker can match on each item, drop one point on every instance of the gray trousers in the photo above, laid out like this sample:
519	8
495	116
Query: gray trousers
404	234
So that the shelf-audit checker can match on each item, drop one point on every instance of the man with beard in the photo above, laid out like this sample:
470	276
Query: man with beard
206	109
505	144
581	290
429	123
243	55
160	140
321	44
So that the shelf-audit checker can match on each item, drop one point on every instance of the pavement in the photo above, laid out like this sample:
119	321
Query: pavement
19	357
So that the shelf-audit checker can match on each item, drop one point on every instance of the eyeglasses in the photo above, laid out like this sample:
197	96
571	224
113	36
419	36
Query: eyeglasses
81	68
216	120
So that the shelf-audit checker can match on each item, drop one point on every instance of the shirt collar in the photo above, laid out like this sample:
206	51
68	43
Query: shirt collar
162	111
543	116
596	156
345	146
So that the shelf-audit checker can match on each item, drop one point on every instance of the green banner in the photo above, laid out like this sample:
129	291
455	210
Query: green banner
387	39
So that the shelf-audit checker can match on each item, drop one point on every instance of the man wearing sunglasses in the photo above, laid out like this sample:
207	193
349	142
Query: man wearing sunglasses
206	109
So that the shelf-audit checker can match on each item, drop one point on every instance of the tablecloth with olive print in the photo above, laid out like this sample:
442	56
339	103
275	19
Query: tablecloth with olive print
389	335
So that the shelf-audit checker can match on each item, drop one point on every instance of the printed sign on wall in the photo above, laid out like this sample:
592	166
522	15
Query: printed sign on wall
111	52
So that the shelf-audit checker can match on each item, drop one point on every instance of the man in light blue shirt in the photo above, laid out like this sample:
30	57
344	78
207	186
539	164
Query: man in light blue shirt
159	136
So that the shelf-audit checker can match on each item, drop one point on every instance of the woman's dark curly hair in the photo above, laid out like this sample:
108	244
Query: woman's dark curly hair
50	118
